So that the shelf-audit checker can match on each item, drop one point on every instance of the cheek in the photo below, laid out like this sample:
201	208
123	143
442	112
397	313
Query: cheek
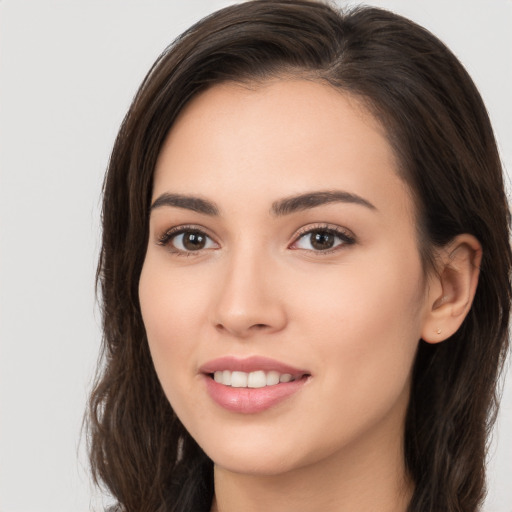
364	321
170	310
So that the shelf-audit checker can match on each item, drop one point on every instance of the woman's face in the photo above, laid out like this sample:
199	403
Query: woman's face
283	246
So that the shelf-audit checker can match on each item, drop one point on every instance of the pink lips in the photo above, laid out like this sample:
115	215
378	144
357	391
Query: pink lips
251	400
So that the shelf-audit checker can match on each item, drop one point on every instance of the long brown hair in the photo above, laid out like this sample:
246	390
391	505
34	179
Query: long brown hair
438	126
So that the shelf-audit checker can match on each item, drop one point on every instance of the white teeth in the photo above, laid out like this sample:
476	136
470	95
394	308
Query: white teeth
257	379
226	377
238	379
272	378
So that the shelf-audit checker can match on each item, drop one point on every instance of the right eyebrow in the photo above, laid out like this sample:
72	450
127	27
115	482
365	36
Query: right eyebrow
196	204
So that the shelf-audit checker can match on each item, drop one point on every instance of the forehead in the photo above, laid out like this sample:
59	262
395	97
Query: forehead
275	139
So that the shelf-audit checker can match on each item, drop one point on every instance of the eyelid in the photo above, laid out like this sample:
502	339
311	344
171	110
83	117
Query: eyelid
345	235
168	235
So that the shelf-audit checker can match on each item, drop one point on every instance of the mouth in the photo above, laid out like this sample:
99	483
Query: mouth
251	372
251	385
255	379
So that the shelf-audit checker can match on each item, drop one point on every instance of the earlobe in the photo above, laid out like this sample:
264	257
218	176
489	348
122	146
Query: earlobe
452	288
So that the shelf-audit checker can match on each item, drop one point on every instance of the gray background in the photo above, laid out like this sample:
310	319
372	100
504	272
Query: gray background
68	70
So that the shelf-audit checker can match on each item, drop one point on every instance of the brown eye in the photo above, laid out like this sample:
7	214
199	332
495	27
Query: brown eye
322	240
187	240
193	240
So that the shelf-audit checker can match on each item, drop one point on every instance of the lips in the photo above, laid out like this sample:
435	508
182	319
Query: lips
250	364
253	384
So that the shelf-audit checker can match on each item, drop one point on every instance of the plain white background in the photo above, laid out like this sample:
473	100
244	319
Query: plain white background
68	70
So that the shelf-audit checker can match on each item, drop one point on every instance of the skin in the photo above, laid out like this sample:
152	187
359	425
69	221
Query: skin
351	316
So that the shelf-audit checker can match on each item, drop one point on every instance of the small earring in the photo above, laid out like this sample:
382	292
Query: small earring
438	331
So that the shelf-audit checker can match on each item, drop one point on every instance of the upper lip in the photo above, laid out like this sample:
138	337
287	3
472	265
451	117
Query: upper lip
250	364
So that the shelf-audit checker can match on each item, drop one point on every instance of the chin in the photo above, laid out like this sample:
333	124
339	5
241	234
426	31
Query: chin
257	466
252	458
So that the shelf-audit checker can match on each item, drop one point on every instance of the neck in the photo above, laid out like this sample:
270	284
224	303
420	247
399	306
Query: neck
370	477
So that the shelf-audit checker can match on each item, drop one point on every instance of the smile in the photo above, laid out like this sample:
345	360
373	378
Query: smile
257	379
251	385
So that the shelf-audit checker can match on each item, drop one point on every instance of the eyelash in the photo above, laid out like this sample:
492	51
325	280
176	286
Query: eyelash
166	239
345	236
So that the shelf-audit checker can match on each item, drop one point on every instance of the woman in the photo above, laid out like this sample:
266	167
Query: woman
305	271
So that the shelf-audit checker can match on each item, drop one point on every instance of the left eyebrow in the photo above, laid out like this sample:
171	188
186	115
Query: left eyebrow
313	199
196	204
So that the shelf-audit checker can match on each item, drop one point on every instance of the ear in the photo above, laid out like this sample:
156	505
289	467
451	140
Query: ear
452	288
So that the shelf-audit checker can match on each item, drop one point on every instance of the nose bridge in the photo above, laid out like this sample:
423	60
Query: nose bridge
248	300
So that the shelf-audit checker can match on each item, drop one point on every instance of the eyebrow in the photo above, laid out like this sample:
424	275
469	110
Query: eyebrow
196	204
313	199
279	208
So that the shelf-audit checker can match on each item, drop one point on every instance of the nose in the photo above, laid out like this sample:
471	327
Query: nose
250	299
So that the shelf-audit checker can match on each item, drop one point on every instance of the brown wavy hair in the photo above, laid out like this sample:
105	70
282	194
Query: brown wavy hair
439	128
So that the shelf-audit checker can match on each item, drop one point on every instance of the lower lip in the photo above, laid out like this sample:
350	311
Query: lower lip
251	400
